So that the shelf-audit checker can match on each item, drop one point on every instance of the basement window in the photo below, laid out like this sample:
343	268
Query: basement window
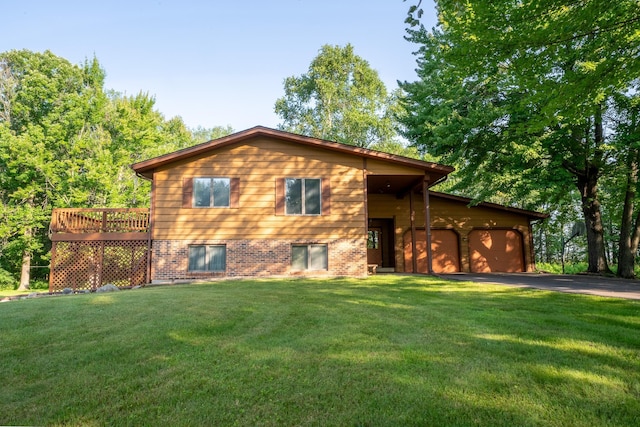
309	257
207	258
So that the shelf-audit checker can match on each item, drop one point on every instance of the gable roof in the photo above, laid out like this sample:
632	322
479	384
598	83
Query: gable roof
533	215
146	167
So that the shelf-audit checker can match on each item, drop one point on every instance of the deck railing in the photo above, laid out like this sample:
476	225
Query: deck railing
100	220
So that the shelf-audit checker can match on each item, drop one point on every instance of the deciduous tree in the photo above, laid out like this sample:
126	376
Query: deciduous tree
65	142
340	98
518	92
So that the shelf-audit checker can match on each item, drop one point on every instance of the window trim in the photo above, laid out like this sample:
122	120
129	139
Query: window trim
206	258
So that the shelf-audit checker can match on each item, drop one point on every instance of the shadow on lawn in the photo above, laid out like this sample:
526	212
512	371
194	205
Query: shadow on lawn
414	350
386	350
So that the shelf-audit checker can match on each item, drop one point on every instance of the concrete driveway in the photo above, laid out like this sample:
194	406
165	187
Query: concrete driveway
579	284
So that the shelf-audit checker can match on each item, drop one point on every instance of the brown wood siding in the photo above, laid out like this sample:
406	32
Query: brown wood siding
259	163
378	167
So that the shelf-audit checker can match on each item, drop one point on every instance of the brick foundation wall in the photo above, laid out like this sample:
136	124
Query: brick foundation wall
256	258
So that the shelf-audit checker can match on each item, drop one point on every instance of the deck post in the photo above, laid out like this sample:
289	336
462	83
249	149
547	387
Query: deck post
52	265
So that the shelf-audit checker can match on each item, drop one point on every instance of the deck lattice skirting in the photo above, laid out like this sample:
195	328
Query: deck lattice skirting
92	247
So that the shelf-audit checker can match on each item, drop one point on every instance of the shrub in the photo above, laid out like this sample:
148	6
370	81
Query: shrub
556	267
7	281
39	284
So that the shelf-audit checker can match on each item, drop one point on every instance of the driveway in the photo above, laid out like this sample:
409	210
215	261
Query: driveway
579	284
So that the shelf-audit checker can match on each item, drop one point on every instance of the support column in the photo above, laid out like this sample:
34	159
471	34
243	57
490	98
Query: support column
427	225
414	248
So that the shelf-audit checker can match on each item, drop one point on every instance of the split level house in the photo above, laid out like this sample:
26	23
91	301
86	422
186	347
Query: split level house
265	202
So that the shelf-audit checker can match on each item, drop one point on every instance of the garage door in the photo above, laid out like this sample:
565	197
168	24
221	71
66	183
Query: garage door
444	250
496	251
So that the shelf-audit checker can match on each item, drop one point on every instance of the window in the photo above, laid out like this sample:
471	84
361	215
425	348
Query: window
212	258
309	257
373	239
302	196
211	192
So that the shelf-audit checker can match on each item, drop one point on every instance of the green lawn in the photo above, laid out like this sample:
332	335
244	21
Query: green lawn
381	351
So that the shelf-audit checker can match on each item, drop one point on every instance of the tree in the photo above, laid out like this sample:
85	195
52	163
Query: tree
518	93
65	142
627	135
201	134
340	98
46	102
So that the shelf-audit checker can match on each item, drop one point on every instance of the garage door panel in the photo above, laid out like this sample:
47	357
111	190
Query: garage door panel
444	250
496	251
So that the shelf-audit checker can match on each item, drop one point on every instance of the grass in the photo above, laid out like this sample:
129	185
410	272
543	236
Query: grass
9	289
381	351
575	268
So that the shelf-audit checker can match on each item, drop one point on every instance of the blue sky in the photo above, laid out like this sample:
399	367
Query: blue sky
214	63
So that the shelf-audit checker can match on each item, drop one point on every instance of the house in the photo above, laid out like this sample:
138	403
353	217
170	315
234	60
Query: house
265	202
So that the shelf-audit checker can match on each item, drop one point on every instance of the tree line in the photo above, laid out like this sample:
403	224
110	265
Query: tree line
67	141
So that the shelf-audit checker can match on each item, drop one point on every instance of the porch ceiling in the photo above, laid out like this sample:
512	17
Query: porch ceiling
393	184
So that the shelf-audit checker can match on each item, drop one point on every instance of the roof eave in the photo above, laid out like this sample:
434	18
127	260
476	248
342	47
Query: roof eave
146	167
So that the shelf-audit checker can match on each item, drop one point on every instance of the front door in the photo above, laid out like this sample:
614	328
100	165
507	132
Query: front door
374	246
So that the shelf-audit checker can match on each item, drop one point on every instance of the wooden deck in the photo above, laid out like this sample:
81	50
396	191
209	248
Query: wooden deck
71	224
92	247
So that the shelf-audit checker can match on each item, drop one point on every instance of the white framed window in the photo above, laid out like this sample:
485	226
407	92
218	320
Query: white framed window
309	257
303	196
207	258
211	192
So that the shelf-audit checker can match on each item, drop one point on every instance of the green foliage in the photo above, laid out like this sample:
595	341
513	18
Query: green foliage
556	268
200	134
46	104
40	285
340	98
395	147
7	281
386	350
66	142
572	268
517	96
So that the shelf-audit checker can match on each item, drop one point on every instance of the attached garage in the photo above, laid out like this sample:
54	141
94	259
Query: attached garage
484	237
496	251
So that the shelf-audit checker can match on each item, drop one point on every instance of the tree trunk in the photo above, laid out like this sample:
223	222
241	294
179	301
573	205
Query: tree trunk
25	273
626	247
588	187
587	182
